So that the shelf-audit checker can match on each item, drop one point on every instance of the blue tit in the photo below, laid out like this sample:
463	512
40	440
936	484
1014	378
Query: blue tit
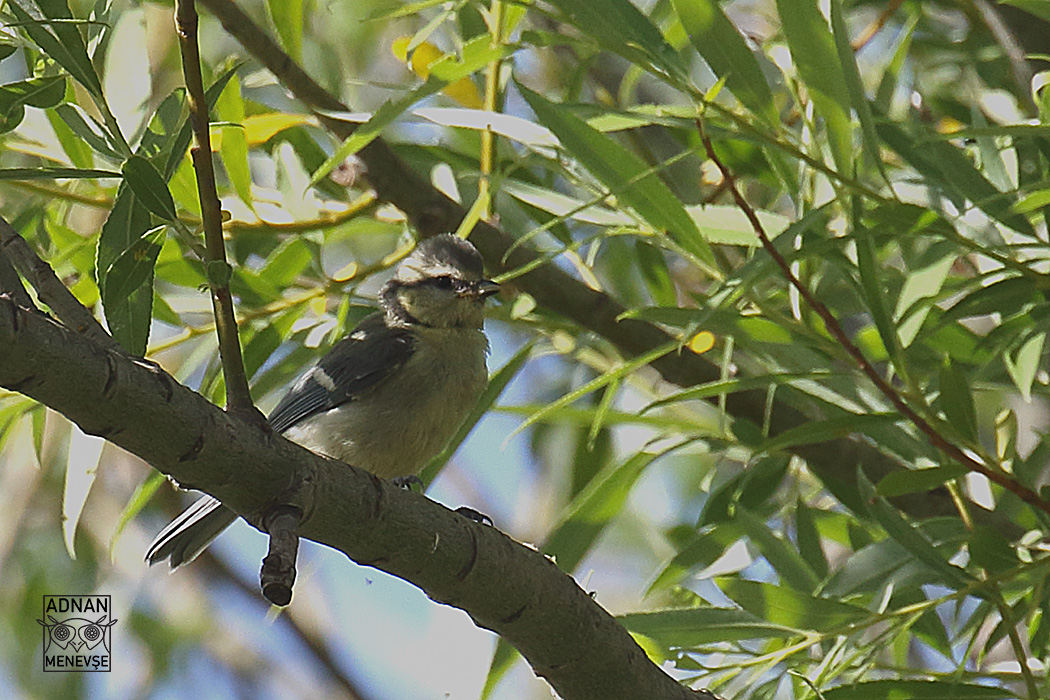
387	397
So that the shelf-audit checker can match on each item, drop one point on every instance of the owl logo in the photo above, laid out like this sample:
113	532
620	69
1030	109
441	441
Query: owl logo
80	633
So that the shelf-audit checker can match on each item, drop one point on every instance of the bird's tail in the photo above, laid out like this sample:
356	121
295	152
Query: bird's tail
187	535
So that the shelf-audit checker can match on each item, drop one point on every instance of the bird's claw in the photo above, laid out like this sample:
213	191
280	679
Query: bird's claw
407	482
474	515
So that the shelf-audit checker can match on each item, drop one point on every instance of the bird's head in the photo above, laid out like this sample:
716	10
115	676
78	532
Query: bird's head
441	284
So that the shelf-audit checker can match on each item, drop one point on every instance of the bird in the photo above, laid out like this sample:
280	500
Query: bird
388	396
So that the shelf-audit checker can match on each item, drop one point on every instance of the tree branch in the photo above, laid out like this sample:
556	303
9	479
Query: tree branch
11	283
238	396
49	288
504	586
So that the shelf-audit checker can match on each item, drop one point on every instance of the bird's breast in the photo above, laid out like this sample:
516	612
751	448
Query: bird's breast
396	428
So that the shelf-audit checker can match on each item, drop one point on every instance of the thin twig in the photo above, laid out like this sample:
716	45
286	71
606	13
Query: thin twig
277	576
49	288
949	448
238	396
876	26
488	137
1015	640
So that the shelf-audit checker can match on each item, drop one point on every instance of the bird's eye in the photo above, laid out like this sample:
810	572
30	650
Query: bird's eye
443	282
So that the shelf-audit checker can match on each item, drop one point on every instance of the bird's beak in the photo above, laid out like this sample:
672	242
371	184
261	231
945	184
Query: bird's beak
482	289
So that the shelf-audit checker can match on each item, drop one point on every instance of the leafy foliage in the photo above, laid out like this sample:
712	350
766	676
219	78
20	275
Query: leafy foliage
899	158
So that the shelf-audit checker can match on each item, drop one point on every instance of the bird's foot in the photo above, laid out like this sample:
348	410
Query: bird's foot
474	515
407	482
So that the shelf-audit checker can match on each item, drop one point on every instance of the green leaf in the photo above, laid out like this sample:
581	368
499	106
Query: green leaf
502	659
876	564
35	92
750	489
234	148
10	119
732	386
780	605
620	27
905	481
78	152
622	172
949	168
364	134
598	382
1006	297
287	261
176	149
779	552
592	509
871	277
477	53
562	205
601	412
653	266
47	173
809	546
725	50
128	317
1023	366
729	225
990	550
81	468
134	267
139	499
855	88
149	187
828	429
698	626
923	282
703	548
287	18
1039	8
65	45
813	48
911	538
916	690
867	569
97	137
956	400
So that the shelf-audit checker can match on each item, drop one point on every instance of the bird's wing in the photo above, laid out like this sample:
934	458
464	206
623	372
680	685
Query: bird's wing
357	364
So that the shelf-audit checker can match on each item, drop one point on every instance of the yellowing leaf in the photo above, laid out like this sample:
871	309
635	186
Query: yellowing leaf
346	273
948	125
701	342
423	57
318	306
260	128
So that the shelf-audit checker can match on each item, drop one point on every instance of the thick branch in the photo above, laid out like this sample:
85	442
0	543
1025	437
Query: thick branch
11	283
48	287
504	586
